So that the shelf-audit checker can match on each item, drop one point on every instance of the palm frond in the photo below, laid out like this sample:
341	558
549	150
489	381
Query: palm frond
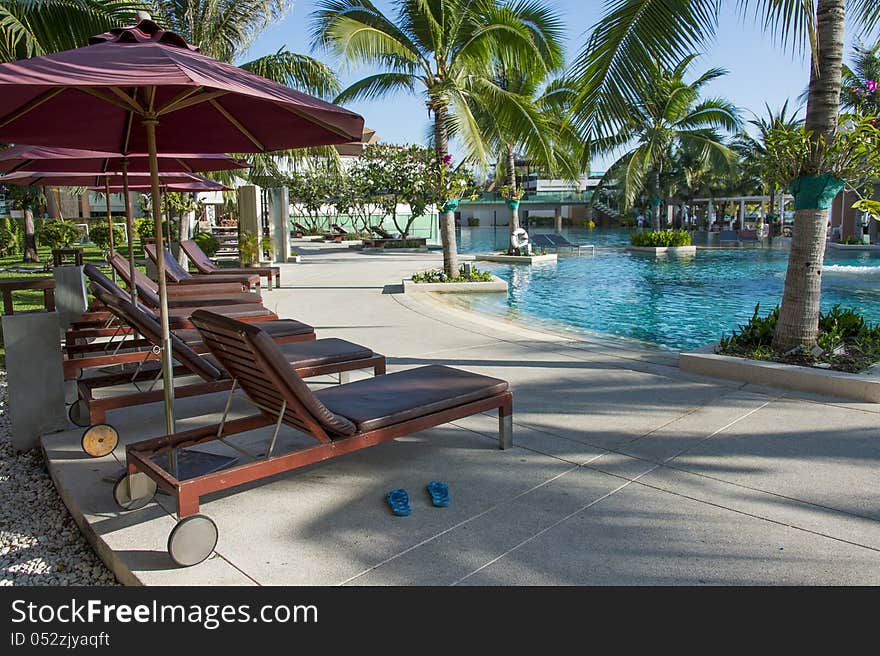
301	72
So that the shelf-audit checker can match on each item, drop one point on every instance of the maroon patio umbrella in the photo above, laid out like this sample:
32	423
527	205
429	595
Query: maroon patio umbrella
36	159
136	83
44	159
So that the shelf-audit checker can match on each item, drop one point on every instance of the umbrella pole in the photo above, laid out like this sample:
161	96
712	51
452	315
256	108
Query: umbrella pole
150	123
129	226
109	220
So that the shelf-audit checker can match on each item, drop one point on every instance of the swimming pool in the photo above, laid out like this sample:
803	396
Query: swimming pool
676	303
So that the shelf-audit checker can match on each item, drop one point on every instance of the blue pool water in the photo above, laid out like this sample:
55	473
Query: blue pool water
676	303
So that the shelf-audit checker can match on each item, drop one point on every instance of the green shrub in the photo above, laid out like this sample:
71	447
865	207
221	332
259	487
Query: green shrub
100	236
57	234
473	221
661	238
207	242
846	340
8	242
144	228
438	275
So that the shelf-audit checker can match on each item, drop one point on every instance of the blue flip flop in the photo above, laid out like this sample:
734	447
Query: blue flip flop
399	502
439	492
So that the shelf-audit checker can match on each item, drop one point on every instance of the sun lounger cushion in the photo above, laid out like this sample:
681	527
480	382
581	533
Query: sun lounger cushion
316	353
397	397
275	329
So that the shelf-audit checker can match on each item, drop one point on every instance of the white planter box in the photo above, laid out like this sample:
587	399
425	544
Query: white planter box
857	387
664	250
517	259
496	285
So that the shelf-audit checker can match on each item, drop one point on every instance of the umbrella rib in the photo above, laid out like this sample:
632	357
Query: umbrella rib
30	105
229	117
187	168
316	121
107	99
126	134
170	105
189	101
134	104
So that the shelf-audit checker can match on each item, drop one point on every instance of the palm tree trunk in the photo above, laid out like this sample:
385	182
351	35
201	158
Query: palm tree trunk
799	314
440	107
30	239
655	193
511	180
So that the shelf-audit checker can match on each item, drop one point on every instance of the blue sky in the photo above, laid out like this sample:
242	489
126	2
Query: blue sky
759	70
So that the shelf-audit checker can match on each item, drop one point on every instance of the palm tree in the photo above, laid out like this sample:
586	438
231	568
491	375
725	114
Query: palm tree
445	48
633	33
861	83
29	28
753	147
667	116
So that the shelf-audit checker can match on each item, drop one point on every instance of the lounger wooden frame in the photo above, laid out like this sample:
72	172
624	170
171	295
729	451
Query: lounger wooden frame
142	350
293	413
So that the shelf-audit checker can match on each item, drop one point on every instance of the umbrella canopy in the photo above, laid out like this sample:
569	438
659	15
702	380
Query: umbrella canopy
98	181
71	160
91	97
195	184
140	87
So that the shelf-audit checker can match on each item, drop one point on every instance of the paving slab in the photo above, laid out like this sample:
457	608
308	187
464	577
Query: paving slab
815	453
638	536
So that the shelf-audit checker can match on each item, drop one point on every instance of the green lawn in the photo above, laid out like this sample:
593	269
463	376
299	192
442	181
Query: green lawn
33	300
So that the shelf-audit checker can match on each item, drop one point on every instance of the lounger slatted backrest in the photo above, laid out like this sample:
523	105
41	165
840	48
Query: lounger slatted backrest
173	269
148	290
95	275
149	328
251	357
197	256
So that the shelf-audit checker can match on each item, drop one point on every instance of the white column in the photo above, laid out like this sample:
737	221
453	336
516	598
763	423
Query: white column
280	226
742	214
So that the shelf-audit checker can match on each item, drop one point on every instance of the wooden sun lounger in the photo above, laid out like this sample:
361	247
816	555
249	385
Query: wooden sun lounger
381	232
221	293
205	266
178	316
308	356
176	274
340	419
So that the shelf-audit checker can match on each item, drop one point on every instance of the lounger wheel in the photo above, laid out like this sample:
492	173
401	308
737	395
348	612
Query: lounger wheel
78	413
192	540
99	440
142	483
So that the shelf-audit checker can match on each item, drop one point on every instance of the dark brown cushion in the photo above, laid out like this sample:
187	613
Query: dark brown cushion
317	353
393	398
234	311
196	299
276	329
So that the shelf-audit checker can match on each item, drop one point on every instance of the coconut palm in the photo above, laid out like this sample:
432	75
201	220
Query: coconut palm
752	147
861	82
667	116
633	33
32	27
444	49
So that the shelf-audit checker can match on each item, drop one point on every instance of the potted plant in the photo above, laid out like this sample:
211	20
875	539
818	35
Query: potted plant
512	196
248	248
266	250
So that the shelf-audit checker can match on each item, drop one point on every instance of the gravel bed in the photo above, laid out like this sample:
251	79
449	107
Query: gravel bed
40	544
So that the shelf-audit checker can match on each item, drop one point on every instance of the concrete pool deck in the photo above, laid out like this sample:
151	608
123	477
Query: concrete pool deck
624	469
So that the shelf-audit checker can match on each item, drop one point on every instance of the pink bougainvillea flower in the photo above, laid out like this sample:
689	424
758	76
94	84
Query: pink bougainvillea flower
871	85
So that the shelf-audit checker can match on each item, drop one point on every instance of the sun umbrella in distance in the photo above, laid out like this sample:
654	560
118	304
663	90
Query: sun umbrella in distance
44	159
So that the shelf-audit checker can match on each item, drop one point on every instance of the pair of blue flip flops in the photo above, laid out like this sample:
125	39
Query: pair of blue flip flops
399	499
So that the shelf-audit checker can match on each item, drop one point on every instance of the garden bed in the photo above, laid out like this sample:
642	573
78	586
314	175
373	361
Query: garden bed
495	285
843	363
852	386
